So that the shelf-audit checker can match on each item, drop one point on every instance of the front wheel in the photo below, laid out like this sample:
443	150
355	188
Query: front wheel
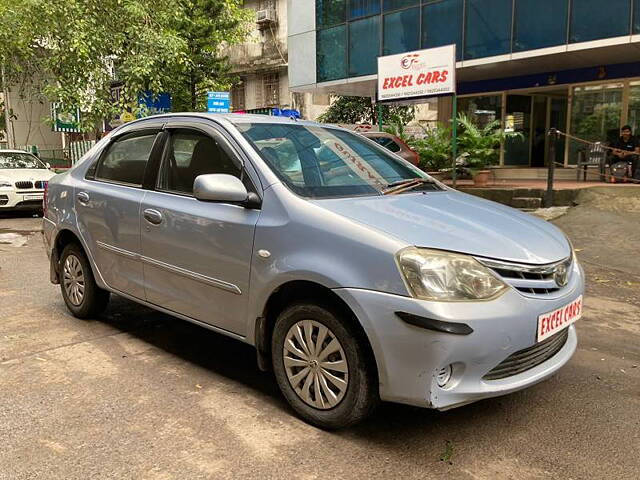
83	297
322	367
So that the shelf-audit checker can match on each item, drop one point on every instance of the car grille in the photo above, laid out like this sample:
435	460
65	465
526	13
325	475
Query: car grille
23	185
40	184
532	280
531	357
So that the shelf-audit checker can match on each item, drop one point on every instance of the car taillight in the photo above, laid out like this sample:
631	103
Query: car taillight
44	197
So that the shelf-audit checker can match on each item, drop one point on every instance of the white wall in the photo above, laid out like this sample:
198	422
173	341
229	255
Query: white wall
30	127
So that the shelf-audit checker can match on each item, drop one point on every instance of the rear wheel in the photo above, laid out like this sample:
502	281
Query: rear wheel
83	297
322	367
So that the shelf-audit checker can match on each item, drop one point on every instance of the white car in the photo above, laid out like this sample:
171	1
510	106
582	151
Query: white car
23	178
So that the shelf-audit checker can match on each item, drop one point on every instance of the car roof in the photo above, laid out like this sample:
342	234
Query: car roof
9	150
233	118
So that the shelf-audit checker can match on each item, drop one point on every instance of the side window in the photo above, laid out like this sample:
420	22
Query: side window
126	159
189	154
387	143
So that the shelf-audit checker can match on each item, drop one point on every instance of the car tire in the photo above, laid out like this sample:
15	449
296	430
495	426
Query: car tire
81	294
338	405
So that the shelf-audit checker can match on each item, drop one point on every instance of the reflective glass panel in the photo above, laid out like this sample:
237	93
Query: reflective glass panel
396	4
488	30
364	46
330	12
594	19
535	27
401	31
362	8
332	53
442	24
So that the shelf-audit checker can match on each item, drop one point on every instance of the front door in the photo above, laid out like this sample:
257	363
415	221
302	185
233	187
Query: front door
197	255
108	210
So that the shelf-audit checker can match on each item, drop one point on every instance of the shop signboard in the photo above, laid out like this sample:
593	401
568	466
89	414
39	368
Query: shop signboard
421	73
218	102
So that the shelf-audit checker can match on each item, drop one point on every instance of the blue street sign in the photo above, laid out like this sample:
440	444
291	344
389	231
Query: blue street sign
218	102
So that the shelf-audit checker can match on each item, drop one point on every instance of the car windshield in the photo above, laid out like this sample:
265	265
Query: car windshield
19	160
320	162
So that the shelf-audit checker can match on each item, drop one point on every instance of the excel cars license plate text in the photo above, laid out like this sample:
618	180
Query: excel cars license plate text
552	322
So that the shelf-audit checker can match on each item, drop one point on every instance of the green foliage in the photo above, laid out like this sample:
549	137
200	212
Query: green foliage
67	49
481	146
434	148
354	110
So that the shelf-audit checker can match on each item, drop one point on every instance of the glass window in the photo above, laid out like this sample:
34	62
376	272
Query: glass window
595	115
591	19
188	155
387	143
330	12
363	8
364	42
332	53
396	4
317	162
634	107
442	24
401	31
126	159
636	16
481	110
488	30
535	28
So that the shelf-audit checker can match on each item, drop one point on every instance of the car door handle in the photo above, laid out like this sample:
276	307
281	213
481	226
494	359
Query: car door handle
152	216
83	198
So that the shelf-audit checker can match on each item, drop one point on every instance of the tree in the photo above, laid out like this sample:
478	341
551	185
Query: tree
69	49
352	110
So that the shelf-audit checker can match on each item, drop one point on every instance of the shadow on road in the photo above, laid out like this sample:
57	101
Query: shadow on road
391	425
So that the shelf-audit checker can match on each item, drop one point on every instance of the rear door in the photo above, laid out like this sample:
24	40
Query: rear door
197	255
108	209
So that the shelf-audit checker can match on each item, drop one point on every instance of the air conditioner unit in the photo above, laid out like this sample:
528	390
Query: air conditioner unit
266	16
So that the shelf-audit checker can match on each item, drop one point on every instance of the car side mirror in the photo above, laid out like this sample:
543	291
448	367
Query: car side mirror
48	165
220	187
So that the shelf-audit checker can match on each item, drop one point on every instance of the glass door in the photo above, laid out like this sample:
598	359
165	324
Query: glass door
518	119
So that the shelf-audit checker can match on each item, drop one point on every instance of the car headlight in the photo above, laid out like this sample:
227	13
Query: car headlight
5	184
447	277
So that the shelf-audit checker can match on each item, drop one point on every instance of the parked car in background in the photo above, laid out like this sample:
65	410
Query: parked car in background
23	178
356	276
395	145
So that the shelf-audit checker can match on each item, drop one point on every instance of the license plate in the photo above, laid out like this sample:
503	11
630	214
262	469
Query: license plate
552	322
33	197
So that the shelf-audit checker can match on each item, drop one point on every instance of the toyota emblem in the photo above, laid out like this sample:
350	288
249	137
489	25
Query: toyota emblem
561	275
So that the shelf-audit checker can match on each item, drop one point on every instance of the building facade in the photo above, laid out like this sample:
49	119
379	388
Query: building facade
261	64
532	64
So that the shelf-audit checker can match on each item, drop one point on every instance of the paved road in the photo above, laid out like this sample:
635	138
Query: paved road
140	395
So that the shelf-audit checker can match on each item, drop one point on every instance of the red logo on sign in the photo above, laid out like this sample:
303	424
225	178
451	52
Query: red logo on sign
409	60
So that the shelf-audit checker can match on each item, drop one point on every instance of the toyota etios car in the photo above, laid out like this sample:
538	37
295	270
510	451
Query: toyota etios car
355	275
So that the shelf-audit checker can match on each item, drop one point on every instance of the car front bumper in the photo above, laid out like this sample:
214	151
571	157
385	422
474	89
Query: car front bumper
11	199
409	357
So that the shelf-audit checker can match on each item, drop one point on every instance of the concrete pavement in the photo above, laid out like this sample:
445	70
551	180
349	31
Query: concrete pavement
140	395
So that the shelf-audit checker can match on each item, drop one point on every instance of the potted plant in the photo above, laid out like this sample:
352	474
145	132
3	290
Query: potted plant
481	146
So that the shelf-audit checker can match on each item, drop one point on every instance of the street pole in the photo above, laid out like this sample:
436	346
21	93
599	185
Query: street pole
379	107
454	140
548	198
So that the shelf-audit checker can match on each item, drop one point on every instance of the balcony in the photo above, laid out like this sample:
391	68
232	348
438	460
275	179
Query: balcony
257	56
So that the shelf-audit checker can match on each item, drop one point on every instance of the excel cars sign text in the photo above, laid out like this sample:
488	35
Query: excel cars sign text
421	73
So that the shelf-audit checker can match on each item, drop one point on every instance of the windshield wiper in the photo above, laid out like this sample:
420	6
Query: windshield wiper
405	185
